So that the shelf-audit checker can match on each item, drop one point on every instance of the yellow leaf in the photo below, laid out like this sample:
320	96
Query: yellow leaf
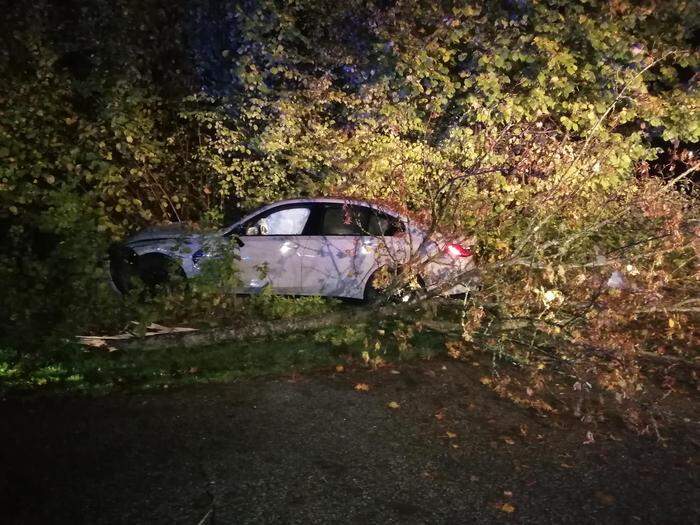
507	507
339	368
485	380
362	387
454	349
671	323
451	435
393	404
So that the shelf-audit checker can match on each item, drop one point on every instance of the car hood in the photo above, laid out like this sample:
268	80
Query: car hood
167	232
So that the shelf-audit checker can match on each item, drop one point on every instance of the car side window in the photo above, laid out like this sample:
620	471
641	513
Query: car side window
288	221
381	224
339	219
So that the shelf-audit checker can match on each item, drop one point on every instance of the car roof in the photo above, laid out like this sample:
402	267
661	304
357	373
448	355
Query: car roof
332	200
315	200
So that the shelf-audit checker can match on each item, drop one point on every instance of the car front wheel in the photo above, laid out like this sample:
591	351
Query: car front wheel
158	272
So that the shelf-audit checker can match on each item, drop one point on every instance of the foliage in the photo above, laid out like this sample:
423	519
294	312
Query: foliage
503	121
595	302
267	305
72	368
77	369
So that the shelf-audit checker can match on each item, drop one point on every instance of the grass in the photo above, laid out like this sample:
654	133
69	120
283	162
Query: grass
74	369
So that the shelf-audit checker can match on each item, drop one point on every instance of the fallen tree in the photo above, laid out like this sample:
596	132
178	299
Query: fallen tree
161	337
248	329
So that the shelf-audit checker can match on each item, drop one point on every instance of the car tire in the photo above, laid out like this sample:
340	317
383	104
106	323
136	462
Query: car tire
158	272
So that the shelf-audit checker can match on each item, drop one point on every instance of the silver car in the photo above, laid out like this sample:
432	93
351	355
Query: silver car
323	246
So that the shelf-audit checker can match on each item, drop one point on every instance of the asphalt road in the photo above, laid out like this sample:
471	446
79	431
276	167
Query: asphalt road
312	449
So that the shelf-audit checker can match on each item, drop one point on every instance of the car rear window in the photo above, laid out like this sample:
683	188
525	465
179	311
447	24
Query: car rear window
381	224
339	219
342	220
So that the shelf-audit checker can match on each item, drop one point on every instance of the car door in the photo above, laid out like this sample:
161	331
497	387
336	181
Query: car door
339	252
270	249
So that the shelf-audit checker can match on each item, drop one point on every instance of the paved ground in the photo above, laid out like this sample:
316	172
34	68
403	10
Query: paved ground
313	450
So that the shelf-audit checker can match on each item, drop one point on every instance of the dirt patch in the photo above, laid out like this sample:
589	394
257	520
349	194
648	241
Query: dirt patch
313	449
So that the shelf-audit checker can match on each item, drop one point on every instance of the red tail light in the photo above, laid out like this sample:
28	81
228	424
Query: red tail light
457	250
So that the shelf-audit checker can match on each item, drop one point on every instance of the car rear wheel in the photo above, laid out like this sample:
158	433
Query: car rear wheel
390	285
